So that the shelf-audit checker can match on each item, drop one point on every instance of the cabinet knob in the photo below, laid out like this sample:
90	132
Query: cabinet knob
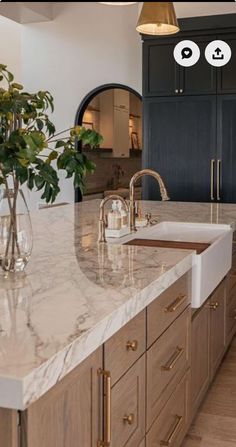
129	419
176	90
181	90
132	345
214	306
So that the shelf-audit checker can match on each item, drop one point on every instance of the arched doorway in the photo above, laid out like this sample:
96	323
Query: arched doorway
114	110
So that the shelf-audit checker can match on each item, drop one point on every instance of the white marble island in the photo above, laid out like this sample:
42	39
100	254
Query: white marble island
76	294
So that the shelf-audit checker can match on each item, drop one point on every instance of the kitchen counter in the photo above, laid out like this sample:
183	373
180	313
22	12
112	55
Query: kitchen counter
76	294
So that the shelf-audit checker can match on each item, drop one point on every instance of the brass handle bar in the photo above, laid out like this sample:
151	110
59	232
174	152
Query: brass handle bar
212	178
173	360
107	408
178	423
176	303
218	178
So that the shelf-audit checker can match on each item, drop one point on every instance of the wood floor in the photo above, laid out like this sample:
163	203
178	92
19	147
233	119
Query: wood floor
215	423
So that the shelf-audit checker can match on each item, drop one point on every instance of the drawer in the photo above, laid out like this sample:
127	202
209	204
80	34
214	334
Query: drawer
166	308
171	425
128	407
125	347
231	280
231	287
167	361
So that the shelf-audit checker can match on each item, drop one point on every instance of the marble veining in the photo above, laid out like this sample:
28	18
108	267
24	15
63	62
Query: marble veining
76	293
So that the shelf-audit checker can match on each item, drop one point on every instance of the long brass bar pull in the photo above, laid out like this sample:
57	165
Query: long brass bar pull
173	360
176	303
169	441
212	178
218	178
107	408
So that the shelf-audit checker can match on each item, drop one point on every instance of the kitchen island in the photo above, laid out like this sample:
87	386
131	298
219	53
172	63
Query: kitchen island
77	295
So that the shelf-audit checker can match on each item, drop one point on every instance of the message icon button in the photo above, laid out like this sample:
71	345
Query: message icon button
186	53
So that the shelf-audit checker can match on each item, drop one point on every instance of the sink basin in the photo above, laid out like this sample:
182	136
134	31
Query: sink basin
210	265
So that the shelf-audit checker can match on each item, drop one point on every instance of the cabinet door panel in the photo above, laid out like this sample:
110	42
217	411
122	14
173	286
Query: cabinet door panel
227	74
200	356
201	77
217	326
179	143
68	415
128	400
226	146
160	71
8	428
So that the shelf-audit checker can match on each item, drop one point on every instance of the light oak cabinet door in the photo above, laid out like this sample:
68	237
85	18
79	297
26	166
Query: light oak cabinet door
68	415
128	407
8	428
217	304
200	356
142	444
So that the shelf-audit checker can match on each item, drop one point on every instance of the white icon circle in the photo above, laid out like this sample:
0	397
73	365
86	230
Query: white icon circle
186	53
218	53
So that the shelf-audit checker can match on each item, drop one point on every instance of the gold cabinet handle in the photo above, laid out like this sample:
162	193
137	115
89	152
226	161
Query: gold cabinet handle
218	178
212	178
129	419
106	408
176	303
132	345
214	306
173	360
178	423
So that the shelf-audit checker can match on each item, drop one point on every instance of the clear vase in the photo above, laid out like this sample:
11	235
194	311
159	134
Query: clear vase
16	238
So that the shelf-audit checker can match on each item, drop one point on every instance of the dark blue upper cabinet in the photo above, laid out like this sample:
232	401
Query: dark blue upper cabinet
227	74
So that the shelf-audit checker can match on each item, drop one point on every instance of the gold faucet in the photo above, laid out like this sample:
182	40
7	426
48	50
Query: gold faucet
133	180
102	220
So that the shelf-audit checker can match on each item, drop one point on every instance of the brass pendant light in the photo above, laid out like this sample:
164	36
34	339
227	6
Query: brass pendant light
157	19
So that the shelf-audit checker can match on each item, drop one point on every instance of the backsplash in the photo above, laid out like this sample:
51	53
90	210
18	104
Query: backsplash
101	180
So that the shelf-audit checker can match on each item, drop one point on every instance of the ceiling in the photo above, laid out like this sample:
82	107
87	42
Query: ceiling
28	12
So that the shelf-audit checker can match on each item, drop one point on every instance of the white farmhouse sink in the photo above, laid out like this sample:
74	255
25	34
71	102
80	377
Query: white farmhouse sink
209	267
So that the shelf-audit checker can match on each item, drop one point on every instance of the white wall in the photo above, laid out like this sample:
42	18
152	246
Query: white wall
10	46
86	45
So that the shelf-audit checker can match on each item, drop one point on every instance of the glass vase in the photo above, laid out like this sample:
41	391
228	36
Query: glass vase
16	237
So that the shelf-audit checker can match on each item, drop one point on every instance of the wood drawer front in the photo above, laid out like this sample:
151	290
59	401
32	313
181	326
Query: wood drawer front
217	326
167	361
123	349
170	427
166	308
142	443
231	282
128	400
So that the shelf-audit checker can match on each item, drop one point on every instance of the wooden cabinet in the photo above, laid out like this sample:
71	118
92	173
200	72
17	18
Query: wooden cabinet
167	361
128	408
171	425
68	415
125	347
180	142
160	71
200	358
8	428
227	74
217	326
189	140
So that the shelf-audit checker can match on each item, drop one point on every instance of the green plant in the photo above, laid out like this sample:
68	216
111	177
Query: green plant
31	151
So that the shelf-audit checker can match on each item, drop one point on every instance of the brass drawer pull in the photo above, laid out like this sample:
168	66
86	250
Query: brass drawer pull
212	178
132	345
178	423
107	408
176	303
129	419
173	360
214	306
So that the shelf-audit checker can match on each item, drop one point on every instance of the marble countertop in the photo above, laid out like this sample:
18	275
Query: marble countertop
76	294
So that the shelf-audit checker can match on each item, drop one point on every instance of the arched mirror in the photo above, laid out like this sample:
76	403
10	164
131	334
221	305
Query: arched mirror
115	111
